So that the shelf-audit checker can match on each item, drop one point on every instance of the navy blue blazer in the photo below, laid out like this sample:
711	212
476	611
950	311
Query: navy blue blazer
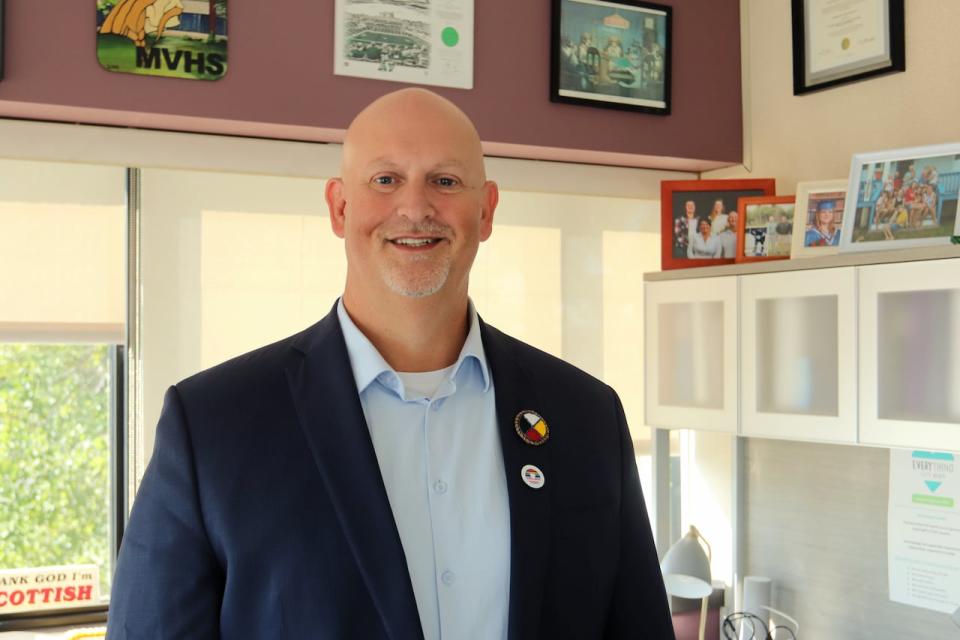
262	513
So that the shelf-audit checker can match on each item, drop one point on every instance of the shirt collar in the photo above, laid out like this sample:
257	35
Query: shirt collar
368	364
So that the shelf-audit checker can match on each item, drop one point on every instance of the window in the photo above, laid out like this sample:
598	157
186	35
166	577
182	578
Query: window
701	493
61	331
235	261
231	261
56	408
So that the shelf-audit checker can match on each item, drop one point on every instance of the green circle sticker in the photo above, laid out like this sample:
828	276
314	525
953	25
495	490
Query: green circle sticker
450	36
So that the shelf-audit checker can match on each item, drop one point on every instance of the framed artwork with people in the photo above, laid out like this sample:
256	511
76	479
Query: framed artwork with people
698	219
611	54
902	198
764	228
818	218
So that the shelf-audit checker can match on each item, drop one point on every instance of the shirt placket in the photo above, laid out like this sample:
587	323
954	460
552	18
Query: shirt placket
441	478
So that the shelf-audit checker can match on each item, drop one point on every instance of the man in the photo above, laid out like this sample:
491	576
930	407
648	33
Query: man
785	226
728	237
400	469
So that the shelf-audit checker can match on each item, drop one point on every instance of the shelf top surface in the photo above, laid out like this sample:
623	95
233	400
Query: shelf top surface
798	264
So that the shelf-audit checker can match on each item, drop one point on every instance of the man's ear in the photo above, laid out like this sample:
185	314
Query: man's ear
336	204
488	206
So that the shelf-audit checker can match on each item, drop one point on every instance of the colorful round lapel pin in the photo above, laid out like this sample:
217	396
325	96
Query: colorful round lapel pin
531	427
532	476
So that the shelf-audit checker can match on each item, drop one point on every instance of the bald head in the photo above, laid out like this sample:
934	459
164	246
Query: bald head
414	118
412	202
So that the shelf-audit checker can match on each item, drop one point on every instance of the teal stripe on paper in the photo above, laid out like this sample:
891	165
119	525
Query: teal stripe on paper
933	455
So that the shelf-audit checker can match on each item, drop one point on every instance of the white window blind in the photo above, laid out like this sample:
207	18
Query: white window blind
61	252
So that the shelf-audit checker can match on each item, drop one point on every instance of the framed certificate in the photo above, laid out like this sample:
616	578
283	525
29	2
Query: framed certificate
841	41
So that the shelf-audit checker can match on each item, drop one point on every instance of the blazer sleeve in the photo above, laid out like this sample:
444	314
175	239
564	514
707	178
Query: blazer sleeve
168	582
639	608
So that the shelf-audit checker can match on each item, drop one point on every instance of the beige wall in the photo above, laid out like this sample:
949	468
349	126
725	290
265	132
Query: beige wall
820	533
812	137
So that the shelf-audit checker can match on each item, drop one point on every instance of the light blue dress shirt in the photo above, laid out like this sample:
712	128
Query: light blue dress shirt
442	465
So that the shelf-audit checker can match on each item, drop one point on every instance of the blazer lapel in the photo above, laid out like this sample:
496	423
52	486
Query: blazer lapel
529	508
331	417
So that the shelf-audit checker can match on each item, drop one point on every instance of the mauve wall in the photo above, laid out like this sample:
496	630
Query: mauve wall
280	82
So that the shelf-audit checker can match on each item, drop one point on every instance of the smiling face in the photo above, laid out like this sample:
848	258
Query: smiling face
413	203
824	217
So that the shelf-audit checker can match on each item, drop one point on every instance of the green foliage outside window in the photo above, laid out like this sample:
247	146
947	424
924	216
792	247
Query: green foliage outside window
54	456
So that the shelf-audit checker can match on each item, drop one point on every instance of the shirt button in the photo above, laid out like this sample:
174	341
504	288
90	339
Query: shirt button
448	577
440	486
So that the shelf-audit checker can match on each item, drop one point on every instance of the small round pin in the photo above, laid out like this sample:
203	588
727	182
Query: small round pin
531	427
532	476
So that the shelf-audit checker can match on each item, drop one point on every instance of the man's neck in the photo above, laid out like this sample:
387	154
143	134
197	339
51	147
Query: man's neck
412	334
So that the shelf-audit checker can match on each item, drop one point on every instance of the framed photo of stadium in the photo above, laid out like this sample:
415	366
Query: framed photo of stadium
612	54
818	218
902	198
698	219
412	41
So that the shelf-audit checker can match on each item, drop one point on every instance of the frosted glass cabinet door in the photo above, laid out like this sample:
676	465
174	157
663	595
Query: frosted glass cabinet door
910	354
691	354
798	355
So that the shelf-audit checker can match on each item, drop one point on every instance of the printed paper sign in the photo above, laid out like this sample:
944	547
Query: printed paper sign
43	588
923	529
170	38
416	41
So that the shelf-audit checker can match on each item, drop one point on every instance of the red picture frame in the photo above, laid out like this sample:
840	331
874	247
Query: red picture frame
771	234
675	198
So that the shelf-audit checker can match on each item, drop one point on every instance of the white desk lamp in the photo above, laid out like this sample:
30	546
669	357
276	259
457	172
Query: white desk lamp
686	572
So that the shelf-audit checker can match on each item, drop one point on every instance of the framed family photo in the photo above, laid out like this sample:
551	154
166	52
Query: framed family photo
613	54
818	218
764	228
902	198
696	229
839	42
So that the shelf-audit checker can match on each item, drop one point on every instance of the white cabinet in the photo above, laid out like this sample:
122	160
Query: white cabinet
910	354
691	354
798	355
829	349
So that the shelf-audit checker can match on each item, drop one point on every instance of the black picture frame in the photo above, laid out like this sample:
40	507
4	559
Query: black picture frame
894	60
632	69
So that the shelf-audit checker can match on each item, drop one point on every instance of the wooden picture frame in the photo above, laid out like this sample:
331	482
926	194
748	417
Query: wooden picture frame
675	199
902	198
811	239
774	237
832	47
613	54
